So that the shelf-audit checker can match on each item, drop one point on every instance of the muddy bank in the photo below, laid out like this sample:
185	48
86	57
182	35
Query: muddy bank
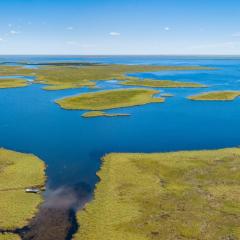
56	219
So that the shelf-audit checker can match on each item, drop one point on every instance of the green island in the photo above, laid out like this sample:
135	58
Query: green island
18	171
66	76
103	114
161	83
216	96
167	95
176	195
110	99
12	83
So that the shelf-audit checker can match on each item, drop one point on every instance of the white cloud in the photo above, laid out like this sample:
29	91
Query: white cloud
13	32
167	28
114	33
1	39
70	28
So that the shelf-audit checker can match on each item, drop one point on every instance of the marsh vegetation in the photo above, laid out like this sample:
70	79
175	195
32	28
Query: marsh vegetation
110	99
178	195
18	171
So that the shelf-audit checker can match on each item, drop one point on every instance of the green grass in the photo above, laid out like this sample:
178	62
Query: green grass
17	172
12	83
110	99
9	236
72	76
161	83
178	195
216	96
103	114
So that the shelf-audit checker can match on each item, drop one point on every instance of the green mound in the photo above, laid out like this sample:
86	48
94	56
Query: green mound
178	195
110	99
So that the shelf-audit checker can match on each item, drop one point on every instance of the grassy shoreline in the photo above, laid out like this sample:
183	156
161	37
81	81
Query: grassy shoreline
19	171
177	195
12	83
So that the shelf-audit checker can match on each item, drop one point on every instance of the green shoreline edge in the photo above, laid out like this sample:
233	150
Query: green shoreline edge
176	195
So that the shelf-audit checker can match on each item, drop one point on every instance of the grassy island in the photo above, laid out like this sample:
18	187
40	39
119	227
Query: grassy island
12	83
178	195
67	75
161	83
103	114
17	172
216	96
104	100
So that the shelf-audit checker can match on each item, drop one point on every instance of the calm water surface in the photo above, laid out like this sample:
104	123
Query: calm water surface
72	146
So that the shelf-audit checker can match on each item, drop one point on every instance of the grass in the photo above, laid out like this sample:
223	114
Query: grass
103	114
12	83
161	83
178	195
17	172
110	99
216	96
9	236
67	76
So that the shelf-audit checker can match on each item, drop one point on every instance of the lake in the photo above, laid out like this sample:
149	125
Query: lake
72	146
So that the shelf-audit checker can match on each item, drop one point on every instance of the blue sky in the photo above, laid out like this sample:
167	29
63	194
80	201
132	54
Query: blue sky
119	27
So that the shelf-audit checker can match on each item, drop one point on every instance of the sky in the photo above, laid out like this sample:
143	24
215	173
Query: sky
109	27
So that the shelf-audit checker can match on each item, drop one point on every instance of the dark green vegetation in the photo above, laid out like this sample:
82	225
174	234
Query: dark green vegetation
161	83
18	171
103	114
216	96
68	75
178	195
12	83
110	99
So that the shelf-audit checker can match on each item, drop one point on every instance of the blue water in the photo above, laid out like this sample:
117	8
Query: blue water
72	146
